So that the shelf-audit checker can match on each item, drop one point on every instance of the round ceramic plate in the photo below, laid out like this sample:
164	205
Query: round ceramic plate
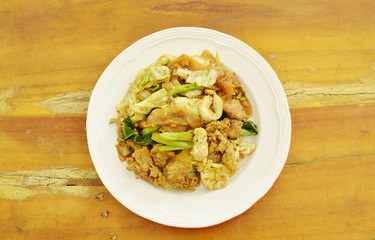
202	207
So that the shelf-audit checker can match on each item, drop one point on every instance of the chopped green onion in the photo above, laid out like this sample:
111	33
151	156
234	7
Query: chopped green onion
169	148
185	88
174	136
150	130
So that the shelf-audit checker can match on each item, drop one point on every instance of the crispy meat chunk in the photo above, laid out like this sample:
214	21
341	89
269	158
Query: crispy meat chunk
216	146
218	133
140	162
161	159
217	142
180	177
234	109
235	128
178	170
133	145
223	153
227	127
122	150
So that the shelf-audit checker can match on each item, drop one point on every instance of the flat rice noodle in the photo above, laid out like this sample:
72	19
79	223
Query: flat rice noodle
179	128
208	55
224	96
194	121
227	83
247	106
174	116
185	61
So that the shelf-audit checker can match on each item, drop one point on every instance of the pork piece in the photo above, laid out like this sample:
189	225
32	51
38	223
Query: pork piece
126	148
234	109
235	128
133	145
216	145
227	127
218	133
179	176
140	162
217	142
247	106
122	150
161	159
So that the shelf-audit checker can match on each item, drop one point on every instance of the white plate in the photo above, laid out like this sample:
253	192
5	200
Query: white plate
201	208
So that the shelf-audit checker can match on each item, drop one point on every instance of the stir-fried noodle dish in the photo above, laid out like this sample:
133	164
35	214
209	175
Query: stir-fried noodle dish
183	122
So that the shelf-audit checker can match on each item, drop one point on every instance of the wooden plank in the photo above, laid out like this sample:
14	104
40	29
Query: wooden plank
324	191
318	200
328	133
52	54
43	142
321	65
39	142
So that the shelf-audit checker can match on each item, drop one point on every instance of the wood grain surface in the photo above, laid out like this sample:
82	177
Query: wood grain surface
53	52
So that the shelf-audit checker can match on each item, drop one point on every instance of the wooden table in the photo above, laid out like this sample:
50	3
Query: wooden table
53	52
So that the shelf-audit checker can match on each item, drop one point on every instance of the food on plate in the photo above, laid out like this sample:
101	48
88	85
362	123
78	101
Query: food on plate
183	122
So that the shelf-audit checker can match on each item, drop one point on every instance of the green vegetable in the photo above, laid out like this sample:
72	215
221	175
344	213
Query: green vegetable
205	78
143	140
128	122
164	60
130	134
127	128
157	99
249	128
179	144
245	132
169	148
242	98
154	87
173	136
174	140
138	117
185	88
150	78
217	58
150	130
